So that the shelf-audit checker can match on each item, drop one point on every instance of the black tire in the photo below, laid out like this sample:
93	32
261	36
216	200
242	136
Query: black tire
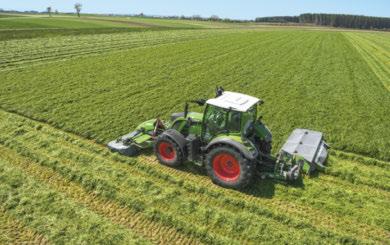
265	147
224	173
168	151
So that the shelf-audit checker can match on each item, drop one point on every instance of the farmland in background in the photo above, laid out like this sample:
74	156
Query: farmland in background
62	96
33	26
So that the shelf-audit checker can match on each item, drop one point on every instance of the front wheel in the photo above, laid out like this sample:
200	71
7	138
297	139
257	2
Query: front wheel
228	168
168	152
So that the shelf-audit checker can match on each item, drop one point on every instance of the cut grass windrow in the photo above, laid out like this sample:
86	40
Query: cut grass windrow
111	210
51	214
13	232
174	197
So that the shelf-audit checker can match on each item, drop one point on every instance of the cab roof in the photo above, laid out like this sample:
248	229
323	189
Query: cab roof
234	101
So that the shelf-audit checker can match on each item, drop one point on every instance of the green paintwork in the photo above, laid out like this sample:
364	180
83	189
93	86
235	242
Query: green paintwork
214	123
181	124
147	125
262	131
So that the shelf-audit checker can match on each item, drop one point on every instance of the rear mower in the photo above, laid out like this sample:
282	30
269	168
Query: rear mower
229	140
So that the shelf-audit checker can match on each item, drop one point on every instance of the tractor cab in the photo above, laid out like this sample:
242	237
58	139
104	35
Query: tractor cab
230	113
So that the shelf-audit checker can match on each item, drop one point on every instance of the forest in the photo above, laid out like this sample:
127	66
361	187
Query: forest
335	20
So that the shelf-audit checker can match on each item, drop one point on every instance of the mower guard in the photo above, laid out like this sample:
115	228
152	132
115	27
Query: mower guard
124	144
308	145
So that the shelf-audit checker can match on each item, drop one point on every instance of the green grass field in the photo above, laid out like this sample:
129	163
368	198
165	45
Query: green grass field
33	26
62	97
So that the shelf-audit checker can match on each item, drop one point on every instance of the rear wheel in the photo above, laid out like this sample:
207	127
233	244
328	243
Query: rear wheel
228	168
168	152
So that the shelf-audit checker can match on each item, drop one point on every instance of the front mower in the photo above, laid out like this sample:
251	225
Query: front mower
229	140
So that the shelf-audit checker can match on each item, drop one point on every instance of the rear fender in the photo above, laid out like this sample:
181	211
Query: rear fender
232	143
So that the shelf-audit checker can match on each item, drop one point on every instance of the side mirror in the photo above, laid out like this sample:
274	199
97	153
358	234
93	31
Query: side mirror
199	102
219	91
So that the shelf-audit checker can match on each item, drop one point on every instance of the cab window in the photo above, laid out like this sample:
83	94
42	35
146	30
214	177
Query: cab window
234	121
214	121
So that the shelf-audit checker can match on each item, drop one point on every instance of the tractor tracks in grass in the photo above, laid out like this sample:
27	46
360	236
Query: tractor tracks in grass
13	232
72	157
377	57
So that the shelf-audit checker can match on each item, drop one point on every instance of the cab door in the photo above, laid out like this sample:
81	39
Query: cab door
214	122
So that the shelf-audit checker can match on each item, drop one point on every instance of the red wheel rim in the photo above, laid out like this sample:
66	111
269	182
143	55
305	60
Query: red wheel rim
226	167
166	151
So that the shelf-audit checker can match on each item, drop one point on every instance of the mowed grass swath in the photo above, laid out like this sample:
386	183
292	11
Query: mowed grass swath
185	202
63	97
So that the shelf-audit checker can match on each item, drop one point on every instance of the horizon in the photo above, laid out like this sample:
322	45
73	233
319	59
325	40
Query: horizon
232	10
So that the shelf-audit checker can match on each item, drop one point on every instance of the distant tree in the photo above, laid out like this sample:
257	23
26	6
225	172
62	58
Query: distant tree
77	7
56	12
197	17
214	18
49	10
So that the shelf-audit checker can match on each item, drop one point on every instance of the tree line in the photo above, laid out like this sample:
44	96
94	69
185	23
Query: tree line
49	10
335	20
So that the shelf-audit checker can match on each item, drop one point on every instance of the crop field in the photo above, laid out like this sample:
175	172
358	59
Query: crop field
63	97
35	26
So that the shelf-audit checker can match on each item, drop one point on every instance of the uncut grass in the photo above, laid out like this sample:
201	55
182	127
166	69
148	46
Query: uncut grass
34	27
313	80
344	200
375	49
50	214
21	53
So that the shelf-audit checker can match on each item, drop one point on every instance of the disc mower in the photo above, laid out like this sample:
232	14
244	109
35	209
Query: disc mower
229	140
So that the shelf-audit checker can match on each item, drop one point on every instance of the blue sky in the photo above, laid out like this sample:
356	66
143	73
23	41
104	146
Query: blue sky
239	9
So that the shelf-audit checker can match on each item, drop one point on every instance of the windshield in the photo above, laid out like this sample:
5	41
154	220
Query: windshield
252	113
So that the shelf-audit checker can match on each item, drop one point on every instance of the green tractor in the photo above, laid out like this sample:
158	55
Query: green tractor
229	139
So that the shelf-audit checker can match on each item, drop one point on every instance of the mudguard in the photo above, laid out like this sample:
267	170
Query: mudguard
227	141
177	137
